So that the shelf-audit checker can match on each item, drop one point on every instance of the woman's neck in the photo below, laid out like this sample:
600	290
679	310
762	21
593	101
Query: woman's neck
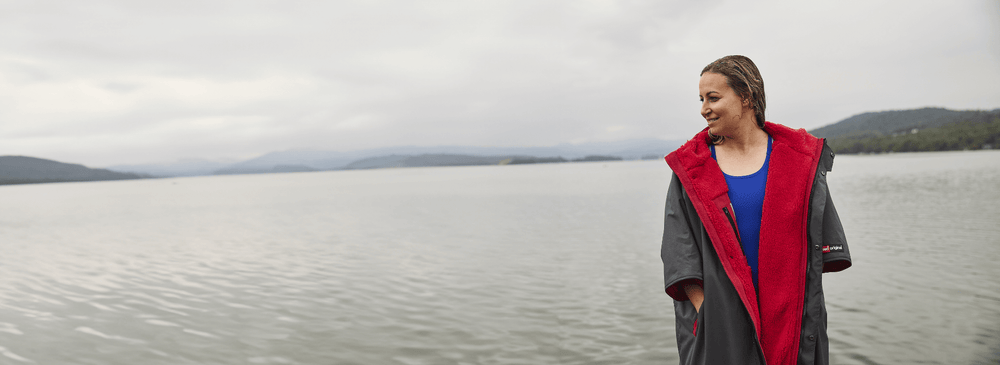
745	140
742	153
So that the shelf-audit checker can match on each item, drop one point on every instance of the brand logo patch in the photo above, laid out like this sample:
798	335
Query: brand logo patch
828	249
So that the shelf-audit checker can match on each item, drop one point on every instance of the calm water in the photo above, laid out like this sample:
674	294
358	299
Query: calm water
530	264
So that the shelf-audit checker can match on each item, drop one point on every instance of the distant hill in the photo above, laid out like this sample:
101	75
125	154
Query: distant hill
533	160
29	170
899	121
239	170
184	167
300	160
927	129
424	160
428	160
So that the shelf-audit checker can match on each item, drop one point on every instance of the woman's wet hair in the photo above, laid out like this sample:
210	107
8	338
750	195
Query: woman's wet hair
744	78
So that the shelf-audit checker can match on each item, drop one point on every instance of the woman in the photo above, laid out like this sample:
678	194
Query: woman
749	229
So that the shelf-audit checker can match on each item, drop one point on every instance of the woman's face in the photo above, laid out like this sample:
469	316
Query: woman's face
720	105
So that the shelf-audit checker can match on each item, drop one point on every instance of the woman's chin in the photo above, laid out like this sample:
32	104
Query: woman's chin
719	132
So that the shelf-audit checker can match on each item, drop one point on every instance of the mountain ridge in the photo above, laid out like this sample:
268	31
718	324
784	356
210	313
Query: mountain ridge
914	130
889	122
923	129
334	160
33	170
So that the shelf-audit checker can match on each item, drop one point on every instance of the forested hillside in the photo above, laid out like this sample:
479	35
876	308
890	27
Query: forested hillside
28	170
927	129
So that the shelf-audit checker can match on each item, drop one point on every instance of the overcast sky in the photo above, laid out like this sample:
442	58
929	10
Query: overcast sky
107	82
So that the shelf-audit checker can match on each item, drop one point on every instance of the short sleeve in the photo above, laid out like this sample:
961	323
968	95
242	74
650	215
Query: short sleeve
836	255
680	251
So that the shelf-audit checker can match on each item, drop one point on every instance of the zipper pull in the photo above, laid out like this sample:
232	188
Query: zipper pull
732	222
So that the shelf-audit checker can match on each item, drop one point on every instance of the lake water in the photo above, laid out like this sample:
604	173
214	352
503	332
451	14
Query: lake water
528	264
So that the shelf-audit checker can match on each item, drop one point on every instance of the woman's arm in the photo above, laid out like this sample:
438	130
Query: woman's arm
680	251
696	294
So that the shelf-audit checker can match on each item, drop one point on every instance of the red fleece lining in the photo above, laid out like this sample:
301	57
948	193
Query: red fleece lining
794	158
783	239
706	186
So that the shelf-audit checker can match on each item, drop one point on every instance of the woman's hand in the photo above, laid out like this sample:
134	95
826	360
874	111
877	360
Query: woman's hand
696	294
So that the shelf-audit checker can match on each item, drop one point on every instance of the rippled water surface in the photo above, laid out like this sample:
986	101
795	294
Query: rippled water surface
536	264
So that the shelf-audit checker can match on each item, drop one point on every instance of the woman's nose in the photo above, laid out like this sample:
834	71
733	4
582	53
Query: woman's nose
705	110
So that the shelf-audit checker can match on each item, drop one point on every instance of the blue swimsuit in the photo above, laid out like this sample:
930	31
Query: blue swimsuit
746	193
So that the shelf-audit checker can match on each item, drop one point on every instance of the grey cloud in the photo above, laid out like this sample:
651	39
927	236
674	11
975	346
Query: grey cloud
112	82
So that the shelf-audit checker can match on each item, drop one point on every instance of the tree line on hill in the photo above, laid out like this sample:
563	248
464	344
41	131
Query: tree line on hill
533	160
928	129
30	170
443	159
965	135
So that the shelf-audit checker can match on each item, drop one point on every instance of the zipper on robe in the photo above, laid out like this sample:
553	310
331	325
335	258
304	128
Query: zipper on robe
732	223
